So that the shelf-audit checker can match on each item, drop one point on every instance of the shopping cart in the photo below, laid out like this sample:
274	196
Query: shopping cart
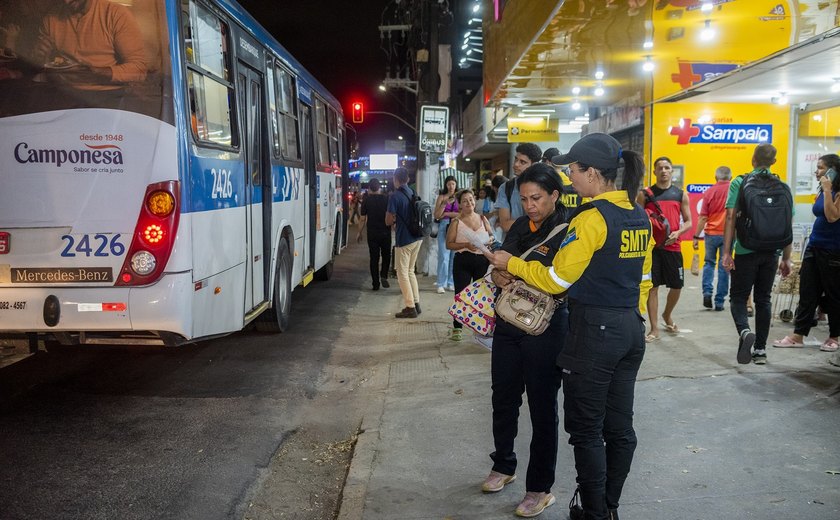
786	290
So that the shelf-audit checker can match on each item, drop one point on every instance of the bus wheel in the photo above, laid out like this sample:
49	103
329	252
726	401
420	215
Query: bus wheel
325	273
276	319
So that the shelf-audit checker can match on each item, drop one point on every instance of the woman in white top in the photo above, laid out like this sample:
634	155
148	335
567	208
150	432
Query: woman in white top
469	263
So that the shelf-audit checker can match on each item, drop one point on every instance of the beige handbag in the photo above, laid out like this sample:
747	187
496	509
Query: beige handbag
527	308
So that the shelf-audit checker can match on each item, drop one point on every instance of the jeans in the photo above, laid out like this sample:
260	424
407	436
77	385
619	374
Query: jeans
523	363
445	258
379	244
819	284
600	361
753	272
405	258
714	248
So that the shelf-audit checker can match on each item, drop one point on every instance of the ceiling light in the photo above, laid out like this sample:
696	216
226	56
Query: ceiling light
576	106
599	74
707	7
648	65
382	87
599	90
648	44
476	8
781	99
708	31
467	159
576	90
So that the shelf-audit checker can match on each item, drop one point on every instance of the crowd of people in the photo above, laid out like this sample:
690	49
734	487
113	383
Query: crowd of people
571	229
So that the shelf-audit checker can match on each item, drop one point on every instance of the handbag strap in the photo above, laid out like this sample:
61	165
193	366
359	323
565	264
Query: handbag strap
554	231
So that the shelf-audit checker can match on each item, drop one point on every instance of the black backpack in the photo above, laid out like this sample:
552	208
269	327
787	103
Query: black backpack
764	212
419	215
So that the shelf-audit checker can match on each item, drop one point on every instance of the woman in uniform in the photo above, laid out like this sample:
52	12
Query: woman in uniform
603	267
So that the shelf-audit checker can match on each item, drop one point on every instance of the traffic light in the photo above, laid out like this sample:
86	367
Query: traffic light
358	112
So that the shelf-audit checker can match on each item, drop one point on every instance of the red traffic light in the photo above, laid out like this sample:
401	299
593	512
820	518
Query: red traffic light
358	112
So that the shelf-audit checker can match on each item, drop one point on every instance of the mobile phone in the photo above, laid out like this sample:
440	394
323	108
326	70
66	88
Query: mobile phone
831	174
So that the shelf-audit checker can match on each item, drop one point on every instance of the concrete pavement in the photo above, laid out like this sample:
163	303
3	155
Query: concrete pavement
716	439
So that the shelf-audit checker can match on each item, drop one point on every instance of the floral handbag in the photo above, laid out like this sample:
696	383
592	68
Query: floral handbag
473	306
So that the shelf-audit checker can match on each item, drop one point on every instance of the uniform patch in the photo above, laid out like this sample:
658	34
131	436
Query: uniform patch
543	250
571	236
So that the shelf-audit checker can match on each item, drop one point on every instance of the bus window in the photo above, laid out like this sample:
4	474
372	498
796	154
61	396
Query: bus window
272	110
333	139
211	92
323	135
288	113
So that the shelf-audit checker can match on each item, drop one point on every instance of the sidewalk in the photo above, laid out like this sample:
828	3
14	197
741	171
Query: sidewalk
717	440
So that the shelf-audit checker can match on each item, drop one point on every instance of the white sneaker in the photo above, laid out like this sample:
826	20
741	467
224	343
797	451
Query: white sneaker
440	290
450	288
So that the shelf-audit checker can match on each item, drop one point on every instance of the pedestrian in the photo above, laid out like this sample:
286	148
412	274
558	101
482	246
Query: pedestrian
468	264
603	268
752	270
819	275
446	208
521	362
483	202
507	200
407	245
710	223
496	183
667	267
373	210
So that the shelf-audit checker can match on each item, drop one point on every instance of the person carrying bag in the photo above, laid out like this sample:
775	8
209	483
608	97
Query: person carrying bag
525	307
523	362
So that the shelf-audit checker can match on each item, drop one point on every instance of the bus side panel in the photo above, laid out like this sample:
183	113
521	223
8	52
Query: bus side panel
219	312
288	211
325	224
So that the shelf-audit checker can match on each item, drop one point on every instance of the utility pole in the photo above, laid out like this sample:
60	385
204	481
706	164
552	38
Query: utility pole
428	168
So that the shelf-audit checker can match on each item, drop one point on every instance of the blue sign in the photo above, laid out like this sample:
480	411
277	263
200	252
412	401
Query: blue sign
733	134
697	188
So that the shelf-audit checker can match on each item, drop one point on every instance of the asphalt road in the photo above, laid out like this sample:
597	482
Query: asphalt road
104	433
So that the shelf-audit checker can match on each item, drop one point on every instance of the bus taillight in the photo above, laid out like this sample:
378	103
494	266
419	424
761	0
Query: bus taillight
154	235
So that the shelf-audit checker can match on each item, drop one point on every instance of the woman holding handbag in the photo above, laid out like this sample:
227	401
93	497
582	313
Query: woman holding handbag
603	267
524	363
468	263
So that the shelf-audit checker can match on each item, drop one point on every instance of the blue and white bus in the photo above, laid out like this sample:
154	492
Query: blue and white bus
168	172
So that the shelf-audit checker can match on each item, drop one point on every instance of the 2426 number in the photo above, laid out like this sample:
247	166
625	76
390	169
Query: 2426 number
102	246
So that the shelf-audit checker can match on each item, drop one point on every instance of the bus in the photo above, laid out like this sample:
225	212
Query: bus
168	172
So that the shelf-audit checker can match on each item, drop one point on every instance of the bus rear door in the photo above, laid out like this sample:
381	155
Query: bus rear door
250	91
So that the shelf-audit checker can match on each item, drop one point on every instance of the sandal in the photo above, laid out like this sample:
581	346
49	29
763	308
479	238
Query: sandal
651	337
830	345
457	335
672	328
788	342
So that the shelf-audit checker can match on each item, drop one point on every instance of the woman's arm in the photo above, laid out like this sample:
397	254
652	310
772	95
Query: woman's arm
831	202
440	204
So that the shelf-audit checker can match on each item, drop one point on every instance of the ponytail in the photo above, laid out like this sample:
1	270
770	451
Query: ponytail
634	170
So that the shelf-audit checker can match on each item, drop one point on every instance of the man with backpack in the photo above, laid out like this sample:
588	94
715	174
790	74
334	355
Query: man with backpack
507	200
407	243
759	217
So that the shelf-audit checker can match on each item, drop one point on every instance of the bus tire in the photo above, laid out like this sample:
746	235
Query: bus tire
276	319
325	273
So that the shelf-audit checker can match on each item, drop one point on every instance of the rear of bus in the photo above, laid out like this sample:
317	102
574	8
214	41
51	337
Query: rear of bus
90	199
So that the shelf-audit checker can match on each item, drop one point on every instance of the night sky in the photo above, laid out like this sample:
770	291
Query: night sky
338	42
